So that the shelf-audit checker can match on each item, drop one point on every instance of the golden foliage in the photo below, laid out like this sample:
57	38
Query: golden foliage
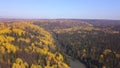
20	64
27	40
106	51
35	66
10	48
26	37
2	49
5	30
18	31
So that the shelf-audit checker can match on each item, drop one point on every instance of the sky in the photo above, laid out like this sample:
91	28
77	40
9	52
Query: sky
57	9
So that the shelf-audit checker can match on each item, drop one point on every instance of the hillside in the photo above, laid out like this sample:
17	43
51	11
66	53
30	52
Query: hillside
62	43
25	45
95	43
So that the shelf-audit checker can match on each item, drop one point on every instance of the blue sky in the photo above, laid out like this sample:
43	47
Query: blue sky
52	9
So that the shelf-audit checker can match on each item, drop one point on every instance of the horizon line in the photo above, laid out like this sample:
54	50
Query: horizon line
57	18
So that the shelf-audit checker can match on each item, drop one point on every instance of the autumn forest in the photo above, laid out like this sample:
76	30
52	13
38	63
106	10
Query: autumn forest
52	43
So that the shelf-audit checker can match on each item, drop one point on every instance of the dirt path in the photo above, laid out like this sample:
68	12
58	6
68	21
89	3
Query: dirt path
76	64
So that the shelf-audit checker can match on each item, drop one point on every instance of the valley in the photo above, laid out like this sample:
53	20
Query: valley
47	43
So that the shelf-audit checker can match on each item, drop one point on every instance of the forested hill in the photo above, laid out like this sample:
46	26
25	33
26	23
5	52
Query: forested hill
93	42
52	43
25	45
